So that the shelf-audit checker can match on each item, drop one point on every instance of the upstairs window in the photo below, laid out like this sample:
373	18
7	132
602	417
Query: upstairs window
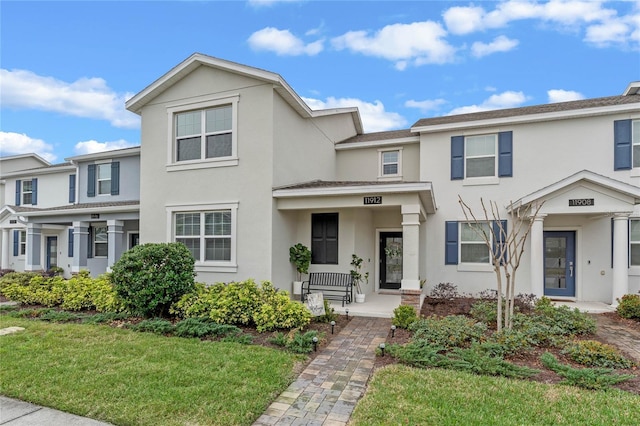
204	134
27	192
480	156
390	163
104	179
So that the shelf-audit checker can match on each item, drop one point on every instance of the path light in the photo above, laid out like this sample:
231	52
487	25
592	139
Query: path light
382	346
333	324
346	311
315	343
393	331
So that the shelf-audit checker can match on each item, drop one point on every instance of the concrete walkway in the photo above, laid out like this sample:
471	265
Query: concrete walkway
20	413
328	390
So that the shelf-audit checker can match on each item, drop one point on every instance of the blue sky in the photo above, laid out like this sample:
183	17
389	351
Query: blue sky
66	68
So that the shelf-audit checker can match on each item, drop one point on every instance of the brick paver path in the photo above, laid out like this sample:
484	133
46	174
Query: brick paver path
329	388
625	338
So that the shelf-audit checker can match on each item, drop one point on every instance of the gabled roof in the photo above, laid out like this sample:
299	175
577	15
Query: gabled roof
137	102
32	155
629	190
114	153
106	207
53	168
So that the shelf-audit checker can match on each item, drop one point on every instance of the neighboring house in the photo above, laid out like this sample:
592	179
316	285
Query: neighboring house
82	214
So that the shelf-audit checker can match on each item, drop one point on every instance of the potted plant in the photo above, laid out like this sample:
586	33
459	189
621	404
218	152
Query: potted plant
358	277
300	256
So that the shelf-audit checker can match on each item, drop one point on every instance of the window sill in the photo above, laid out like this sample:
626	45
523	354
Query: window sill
390	178
198	164
635	172
492	180
215	267
474	267
634	271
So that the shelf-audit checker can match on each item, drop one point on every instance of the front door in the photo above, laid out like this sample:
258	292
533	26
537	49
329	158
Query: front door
52	252
560	263
390	260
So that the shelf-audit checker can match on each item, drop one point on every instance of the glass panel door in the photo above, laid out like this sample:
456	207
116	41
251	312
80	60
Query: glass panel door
52	252
559	264
390	260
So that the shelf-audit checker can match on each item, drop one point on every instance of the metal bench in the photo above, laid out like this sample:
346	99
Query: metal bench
332	285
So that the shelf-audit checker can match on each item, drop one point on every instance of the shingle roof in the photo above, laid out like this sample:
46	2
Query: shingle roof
529	110
338	184
380	136
23	209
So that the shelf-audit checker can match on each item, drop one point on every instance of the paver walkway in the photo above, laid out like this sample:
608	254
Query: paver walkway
626	338
329	388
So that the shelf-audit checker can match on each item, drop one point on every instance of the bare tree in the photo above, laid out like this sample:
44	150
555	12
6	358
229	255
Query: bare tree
505	247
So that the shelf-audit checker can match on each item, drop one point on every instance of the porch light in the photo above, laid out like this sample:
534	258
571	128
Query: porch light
382	346
393	331
333	324
315	343
346	311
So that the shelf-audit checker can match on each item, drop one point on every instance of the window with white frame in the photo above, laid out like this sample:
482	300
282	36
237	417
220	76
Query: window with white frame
390	163
104	178
473	248
23	243
634	242
27	192
204	134
207	234
636	143
100	241
480	156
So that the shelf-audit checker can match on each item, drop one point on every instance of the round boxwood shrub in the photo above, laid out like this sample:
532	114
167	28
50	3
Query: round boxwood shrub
149	278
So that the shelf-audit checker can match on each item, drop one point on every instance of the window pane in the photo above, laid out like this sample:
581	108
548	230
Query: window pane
217	223
104	187
390	157
104	171
480	145
100	234
478	167
26	185
636	155
218	249
470	231
218	119
636	132
27	198
219	146
188	224
189	149
390	169
635	254
474	253
635	230
188	123
193	244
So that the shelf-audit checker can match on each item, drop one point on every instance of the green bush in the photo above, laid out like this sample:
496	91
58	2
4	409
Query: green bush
235	303
21	279
153	325
595	354
278	311
629	306
589	378
485	311
297	341
572	322
511	341
60	316
149	278
449	332
201	327
329	314
404	316
105	317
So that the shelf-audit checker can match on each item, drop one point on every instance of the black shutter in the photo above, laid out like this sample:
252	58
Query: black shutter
457	157
115	178
70	244
451	243
324	238
90	243
72	188
16	242
622	145
34	191
505	154
500	237
91	180
18	192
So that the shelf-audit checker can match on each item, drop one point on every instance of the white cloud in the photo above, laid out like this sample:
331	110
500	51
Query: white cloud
374	117
621	31
426	105
509	99
92	146
559	95
283	43
267	3
19	143
499	44
86	97
418	42
464	20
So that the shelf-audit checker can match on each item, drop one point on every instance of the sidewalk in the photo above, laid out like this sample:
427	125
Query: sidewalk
328	390
19	413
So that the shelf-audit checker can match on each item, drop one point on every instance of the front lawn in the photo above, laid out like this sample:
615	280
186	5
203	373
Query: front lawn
126	377
400	394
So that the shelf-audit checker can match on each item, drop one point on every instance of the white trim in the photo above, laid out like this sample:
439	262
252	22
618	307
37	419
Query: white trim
395	176
352	190
129	238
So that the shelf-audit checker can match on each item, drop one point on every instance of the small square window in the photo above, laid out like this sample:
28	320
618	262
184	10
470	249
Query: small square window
390	163
473	246
480	156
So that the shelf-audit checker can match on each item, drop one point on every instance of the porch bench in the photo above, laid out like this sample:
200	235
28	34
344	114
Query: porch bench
332	285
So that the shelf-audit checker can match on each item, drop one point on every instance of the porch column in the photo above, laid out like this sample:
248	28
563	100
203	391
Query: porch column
114	236
5	249
537	255
410	247
33	261
80	246
620	256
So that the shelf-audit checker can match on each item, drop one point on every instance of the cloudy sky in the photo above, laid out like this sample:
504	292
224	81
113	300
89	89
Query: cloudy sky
66	68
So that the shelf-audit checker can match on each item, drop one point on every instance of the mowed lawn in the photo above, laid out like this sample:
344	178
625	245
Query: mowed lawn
401	395
132	378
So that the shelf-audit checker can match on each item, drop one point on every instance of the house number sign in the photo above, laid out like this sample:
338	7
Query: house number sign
578	202
376	199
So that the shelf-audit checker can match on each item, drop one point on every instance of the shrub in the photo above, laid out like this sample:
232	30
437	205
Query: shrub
60	316
449	332
153	325
200	327
595	354
444	291
104	317
511	341
485	311
295	341
589	378
234	303
629	306
278	311
404	316
570	321
329	314
149	278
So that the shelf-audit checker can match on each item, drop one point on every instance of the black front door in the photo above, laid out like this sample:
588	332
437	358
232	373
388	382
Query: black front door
52	252
390	260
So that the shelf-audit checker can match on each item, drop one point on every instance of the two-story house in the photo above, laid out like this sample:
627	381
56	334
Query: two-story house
237	167
81	214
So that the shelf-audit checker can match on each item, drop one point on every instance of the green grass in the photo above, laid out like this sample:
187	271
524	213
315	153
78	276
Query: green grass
403	395
129	378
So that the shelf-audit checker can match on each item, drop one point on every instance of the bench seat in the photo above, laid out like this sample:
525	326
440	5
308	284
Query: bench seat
332	285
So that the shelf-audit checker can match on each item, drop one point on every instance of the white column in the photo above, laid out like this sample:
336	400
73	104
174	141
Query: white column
80	246
410	247
620	256
33	261
114	235
537	255
5	249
